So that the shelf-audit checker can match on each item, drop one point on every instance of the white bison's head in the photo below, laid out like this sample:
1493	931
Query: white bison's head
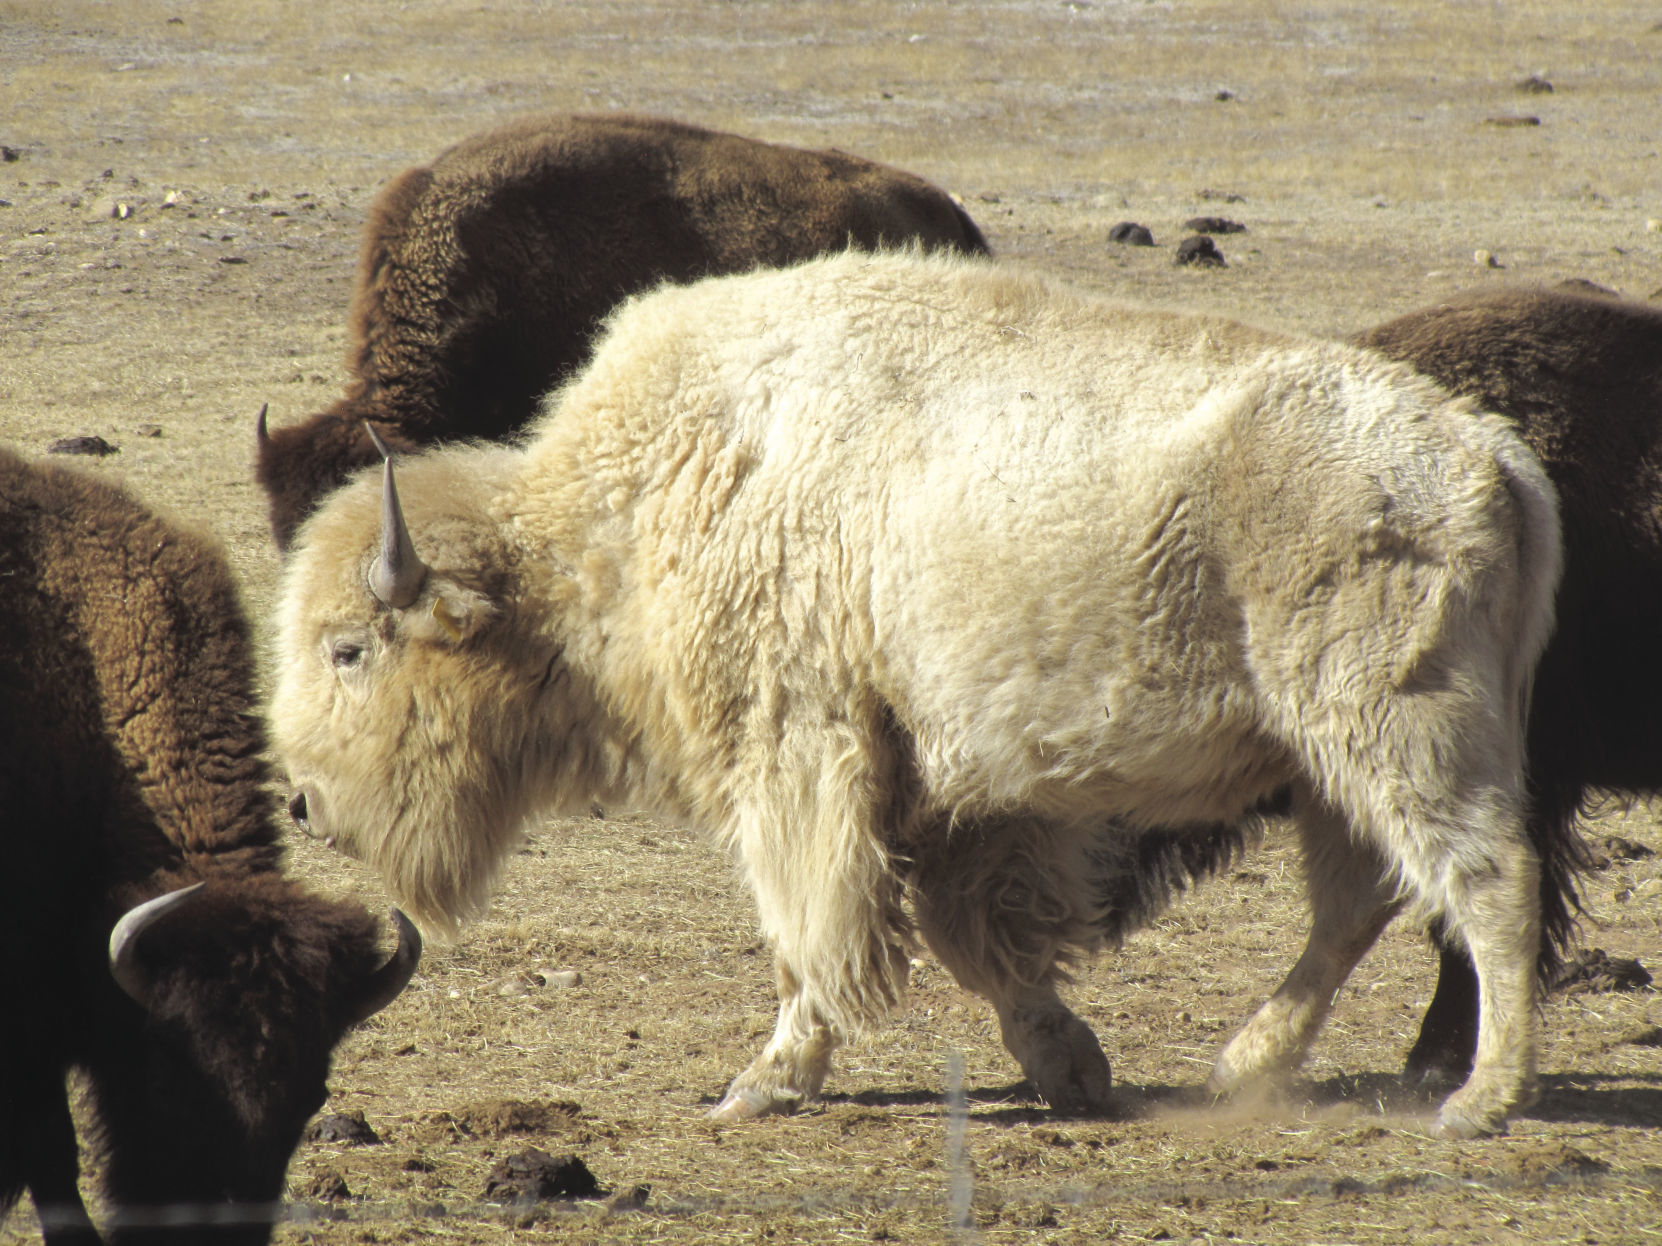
407	692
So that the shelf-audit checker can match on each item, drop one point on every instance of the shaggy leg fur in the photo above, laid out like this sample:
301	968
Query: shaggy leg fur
829	903
43	1155
1350	907
1004	906
1494	912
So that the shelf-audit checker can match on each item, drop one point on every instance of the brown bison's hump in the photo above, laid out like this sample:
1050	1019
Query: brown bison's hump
1581	374
126	675
747	201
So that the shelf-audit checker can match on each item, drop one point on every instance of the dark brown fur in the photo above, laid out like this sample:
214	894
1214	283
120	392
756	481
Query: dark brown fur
485	274
129	766
1581	376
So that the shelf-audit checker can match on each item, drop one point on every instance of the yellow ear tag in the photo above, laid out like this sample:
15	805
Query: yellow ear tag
443	617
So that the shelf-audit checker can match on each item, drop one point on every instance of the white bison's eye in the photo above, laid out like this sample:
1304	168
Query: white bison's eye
346	654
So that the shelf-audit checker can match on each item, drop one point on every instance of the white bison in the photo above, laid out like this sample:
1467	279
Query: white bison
907	575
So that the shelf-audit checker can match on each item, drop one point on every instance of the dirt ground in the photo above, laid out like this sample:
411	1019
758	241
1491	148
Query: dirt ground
180	198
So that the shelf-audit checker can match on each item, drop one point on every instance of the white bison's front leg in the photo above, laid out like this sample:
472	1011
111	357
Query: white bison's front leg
791	1068
829	904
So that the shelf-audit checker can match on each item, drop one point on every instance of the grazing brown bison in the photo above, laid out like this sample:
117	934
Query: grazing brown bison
132	784
842	560
485	274
1581	377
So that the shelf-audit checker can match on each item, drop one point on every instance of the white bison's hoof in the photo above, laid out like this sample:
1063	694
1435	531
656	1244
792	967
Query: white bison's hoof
744	1103
1077	1079
1464	1119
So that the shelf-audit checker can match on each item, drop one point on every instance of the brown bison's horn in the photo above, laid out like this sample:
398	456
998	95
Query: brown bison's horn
262	438
129	975
384	985
398	573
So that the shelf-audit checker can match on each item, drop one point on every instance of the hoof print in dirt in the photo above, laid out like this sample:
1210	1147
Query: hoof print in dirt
1592	972
1200	251
629	1198
82	445
342	1129
1131	234
1214	225
533	1176
1554	1163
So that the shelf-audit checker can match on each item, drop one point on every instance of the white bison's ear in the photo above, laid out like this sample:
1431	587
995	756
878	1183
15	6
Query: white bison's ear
454	616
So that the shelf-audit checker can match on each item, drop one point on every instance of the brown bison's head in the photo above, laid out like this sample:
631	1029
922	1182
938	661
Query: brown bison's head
247	984
410	699
299	465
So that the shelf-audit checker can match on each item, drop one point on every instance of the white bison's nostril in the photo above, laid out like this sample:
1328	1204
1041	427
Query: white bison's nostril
297	811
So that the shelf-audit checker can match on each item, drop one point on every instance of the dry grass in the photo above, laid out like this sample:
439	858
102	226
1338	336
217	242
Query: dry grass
1356	134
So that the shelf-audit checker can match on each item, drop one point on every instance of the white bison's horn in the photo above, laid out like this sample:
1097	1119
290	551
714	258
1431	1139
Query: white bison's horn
397	575
384	985
129	975
262	437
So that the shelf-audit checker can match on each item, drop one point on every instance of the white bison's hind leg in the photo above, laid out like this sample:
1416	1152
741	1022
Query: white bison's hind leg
1003	905
1496	911
1350	907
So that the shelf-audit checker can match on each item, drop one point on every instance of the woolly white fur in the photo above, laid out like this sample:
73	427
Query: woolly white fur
841	561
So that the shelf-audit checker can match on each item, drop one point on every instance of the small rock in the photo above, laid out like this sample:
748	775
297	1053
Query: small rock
342	1129
326	1185
1654	225
1131	234
149	430
559	979
232	259
1592	971
1534	85
1512	123
1214	225
82	445
1485	259
533	1175
1200	250
10	154
1223	95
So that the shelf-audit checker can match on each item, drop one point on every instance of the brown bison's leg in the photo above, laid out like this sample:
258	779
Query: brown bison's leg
1001	905
1350	905
49	1164
1448	1034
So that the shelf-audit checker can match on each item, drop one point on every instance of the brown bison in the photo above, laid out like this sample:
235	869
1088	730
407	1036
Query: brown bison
485	274
1581	378
133	794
